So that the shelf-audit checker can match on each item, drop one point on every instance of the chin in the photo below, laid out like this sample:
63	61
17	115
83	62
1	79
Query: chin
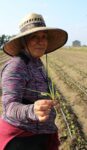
38	56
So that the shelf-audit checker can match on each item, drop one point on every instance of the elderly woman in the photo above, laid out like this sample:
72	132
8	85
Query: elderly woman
28	119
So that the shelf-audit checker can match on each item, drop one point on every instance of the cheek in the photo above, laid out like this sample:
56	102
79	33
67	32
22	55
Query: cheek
46	45
46	42
31	45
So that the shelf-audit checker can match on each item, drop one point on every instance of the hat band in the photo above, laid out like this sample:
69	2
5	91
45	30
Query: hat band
32	25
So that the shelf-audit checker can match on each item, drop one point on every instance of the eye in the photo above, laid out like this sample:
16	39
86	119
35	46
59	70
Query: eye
33	37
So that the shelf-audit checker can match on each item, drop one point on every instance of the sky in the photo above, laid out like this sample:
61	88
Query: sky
70	15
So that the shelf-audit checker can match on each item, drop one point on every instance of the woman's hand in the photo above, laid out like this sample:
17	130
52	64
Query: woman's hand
42	109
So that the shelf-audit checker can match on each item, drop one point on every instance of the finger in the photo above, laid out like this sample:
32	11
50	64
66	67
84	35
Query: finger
44	107
44	102
41	107
43	113
43	118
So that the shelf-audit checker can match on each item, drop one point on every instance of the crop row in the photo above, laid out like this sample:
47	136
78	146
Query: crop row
70	81
74	128
72	66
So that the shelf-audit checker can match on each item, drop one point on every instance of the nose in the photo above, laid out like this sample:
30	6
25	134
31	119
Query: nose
40	40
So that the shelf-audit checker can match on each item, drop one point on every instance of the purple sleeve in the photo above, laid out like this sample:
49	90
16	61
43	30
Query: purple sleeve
14	78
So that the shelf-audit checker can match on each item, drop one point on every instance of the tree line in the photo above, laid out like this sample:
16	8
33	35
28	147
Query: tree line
3	39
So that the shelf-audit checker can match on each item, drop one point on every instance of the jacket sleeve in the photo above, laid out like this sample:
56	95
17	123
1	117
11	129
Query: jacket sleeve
14	78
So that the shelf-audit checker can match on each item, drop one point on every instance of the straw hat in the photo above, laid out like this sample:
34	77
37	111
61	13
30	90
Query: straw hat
31	24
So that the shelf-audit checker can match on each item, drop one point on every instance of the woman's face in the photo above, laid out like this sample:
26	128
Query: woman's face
37	44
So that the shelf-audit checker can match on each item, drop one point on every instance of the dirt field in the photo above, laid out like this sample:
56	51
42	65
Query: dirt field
74	65
68	69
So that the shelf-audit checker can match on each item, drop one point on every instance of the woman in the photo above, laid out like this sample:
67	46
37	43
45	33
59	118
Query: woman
28	119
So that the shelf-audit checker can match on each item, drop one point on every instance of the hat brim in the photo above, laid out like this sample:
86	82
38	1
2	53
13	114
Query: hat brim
56	39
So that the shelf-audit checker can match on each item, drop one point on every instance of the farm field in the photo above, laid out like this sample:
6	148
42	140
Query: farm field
68	69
